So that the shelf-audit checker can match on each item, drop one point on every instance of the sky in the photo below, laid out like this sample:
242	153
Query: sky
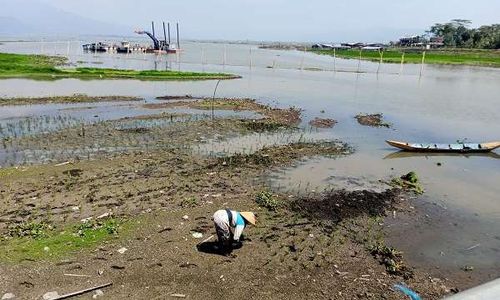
278	20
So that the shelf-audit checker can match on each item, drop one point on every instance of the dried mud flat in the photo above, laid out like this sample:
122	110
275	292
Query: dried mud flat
320	246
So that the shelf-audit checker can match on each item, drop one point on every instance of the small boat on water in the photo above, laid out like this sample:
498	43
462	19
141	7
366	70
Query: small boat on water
96	47
124	47
458	147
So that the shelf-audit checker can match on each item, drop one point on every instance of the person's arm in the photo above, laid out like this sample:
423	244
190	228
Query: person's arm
238	230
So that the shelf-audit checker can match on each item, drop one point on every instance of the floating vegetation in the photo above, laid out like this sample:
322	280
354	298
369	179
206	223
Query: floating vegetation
322	123
410	182
374	120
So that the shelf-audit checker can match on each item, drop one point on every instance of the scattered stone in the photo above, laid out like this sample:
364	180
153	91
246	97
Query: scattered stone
104	215
50	295
188	265
468	268
46	249
97	294
75	208
8	296
122	250
197	235
178	295
185	217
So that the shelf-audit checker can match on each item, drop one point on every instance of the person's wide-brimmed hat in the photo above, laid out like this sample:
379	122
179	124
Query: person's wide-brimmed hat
249	216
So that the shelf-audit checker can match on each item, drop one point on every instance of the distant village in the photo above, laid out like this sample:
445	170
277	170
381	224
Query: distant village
419	41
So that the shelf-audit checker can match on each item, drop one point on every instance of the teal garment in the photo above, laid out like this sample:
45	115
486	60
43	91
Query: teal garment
239	219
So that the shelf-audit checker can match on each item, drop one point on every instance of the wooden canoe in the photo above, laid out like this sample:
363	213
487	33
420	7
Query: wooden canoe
459	147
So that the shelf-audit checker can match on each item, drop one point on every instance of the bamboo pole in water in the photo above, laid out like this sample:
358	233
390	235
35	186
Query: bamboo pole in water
402	62
302	59
334	61
202	55
422	65
359	60
381	54
250	56
224	56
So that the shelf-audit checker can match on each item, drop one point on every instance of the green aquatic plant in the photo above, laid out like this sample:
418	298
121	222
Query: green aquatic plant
267	200
410	182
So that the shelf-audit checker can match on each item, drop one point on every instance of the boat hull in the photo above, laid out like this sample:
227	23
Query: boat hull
456	148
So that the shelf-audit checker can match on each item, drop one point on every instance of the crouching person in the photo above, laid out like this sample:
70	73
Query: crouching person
229	225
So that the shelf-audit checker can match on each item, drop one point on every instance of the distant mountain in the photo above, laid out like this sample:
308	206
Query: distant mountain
31	17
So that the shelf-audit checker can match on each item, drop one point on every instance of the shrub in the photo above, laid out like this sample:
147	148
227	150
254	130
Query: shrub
267	200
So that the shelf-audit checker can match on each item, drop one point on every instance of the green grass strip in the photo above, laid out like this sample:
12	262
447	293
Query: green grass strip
488	58
49	68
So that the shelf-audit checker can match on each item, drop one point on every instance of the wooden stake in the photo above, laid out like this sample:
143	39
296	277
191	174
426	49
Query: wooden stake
334	61
402	62
80	292
250	57
423	61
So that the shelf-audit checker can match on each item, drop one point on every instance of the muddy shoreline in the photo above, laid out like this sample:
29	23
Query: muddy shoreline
320	245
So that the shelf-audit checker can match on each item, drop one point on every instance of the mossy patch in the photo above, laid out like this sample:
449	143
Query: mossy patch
52	244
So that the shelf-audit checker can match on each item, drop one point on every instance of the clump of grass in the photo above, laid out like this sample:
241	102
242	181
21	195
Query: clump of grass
410	182
240	159
33	230
110	226
262	126
189	202
267	200
392	259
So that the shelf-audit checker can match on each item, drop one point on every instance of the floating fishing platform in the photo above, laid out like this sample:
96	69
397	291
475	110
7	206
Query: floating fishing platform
164	46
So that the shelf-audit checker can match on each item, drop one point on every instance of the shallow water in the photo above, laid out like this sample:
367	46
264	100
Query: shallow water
429	104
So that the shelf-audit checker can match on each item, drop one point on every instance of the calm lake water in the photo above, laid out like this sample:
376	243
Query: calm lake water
428	104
